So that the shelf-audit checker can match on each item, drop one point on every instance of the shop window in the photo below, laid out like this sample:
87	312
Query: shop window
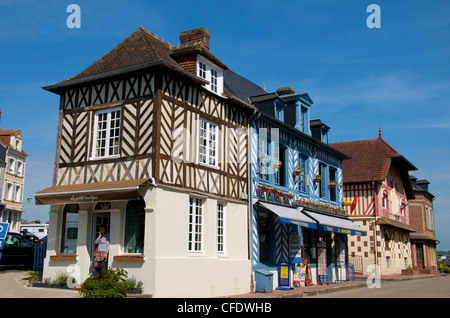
264	238
69	229
135	227
309	245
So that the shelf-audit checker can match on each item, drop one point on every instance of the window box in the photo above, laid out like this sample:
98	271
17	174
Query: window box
63	257
130	257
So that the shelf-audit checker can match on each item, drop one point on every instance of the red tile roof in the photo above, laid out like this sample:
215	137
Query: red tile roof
370	159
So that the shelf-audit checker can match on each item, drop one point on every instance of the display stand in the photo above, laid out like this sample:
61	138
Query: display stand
284	276
309	281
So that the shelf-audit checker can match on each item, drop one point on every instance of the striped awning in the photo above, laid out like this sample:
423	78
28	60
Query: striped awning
336	224
288	215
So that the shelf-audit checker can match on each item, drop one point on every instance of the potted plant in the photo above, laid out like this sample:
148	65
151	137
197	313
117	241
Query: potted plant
33	277
317	178
298	170
332	183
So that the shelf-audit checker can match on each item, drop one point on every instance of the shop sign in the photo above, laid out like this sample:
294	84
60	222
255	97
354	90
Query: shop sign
322	259
283	275
295	247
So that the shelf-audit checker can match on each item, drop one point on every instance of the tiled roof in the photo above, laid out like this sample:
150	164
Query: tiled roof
140	47
370	159
9	132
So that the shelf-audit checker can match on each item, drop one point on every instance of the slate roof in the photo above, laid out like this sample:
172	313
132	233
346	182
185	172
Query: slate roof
240	87
370	160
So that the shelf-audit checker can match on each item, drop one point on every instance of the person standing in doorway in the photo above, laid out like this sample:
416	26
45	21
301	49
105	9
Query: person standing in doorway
101	257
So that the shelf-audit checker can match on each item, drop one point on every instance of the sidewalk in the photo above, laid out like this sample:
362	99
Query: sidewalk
14	284
300	292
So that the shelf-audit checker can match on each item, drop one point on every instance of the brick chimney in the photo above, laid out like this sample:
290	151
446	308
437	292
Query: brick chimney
190	37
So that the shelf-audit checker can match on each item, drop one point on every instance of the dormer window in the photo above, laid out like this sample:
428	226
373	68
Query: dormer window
279	112
214	80
211	73
202	70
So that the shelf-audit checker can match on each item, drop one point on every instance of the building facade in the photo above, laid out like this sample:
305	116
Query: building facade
377	178
12	177
297	221
152	145
423	240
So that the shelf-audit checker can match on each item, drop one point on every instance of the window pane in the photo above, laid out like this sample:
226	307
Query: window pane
108	133
220	228
135	227
208	143
195	225
70	229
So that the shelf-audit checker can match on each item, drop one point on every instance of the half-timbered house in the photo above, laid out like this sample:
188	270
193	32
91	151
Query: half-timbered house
153	145
294	219
377	178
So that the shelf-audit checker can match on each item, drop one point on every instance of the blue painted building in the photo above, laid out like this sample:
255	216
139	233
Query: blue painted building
296	201
296	219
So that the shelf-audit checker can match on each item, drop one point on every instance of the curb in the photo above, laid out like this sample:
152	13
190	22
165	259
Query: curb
323	291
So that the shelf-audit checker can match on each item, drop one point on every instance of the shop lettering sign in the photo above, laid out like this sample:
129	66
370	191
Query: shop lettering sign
89	198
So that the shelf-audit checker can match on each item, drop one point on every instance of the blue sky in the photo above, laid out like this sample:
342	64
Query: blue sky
396	77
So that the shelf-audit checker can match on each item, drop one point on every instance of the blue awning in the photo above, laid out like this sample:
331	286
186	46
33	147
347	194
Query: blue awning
287	215
336	224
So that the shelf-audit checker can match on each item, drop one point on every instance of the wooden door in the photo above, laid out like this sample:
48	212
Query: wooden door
419	255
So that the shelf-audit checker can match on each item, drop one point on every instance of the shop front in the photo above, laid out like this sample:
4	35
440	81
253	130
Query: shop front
311	244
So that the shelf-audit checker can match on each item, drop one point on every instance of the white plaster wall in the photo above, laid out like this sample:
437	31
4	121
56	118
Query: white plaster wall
168	269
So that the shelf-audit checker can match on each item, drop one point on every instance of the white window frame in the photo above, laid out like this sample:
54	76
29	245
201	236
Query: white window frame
202	69
221	228
195	221
206	69
107	137
206	158
214	78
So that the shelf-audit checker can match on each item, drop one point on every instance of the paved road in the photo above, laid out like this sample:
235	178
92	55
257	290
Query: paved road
14	284
436	287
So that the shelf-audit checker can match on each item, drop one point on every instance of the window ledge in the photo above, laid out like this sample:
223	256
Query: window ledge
130	257
63	257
